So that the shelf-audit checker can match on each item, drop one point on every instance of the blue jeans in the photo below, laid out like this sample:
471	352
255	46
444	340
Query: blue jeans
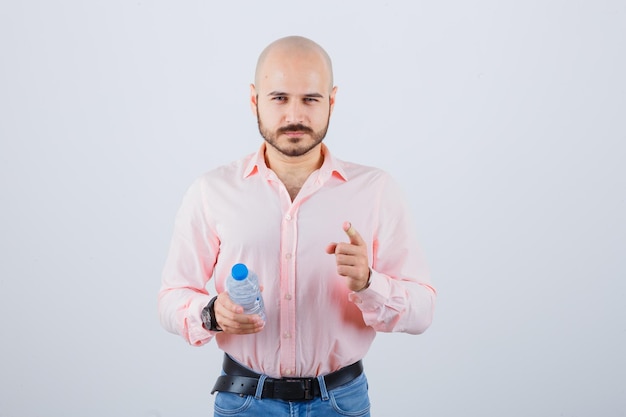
350	399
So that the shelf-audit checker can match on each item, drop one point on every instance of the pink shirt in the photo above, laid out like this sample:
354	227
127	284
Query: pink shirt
315	325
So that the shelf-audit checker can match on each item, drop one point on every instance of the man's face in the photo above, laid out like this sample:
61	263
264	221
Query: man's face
293	101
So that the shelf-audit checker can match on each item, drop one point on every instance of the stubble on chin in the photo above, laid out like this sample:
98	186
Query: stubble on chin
292	147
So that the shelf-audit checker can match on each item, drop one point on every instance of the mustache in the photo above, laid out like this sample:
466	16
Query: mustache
298	127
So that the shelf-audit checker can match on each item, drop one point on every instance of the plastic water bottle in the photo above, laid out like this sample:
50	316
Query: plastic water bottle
243	288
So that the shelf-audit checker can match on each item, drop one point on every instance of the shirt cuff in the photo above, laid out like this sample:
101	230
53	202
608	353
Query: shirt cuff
198	335
372	297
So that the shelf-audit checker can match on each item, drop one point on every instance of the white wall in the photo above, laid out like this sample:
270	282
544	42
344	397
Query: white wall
505	121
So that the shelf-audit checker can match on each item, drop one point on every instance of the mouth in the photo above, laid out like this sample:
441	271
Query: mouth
294	133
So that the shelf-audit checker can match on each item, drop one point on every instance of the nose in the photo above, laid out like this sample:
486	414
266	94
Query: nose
295	112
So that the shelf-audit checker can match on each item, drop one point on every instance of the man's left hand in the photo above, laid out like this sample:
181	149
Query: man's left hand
351	257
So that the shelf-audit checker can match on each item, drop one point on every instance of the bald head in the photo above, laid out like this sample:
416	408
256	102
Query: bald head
293	47
293	97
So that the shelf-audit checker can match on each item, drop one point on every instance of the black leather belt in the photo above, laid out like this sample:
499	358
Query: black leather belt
243	381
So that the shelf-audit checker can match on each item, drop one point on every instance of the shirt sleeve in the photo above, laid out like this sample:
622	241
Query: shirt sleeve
400	297
188	268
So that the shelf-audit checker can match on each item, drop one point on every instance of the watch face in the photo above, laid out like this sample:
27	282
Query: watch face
206	317
208	321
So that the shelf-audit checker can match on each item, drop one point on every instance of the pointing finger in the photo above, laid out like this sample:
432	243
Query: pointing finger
355	237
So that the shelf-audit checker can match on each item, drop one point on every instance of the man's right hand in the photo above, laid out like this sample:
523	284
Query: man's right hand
230	317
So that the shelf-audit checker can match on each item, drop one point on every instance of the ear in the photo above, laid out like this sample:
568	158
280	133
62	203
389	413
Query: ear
253	100
332	99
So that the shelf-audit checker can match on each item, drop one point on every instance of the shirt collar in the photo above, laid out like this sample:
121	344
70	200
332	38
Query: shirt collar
331	166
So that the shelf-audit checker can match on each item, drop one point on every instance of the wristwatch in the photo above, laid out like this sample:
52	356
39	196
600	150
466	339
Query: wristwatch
208	317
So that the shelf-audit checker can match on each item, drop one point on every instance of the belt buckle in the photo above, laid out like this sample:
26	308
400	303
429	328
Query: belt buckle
308	389
303	389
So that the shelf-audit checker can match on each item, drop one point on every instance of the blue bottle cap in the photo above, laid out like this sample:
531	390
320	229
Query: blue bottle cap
239	272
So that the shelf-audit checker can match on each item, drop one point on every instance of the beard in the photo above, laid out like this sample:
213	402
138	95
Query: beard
293	146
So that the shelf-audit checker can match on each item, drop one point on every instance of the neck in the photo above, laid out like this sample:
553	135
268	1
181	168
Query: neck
293	171
301	165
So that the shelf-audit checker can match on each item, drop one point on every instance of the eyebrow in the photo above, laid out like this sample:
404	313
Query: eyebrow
281	93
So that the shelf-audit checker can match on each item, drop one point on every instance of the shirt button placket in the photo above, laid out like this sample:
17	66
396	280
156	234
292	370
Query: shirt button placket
288	243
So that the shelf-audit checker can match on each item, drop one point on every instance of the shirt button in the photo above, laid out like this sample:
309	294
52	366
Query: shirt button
287	296
288	256
358	300
286	335
288	217
288	372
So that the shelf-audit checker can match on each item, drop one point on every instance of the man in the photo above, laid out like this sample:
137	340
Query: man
330	241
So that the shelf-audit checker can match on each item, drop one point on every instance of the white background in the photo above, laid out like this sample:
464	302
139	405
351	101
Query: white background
505	122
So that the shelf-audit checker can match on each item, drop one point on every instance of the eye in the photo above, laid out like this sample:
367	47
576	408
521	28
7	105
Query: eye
310	100
279	98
